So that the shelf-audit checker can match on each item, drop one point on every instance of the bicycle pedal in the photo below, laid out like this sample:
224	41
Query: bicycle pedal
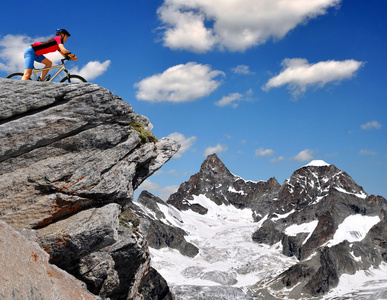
39	79
47	78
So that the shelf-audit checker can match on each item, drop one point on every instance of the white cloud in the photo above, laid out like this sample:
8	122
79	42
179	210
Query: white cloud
185	29
156	189
233	99
263	152
181	83
149	186
185	143
12	48
170	172
218	149
304	155
201	25
167	191
298	74
93	69
367	152
371	125
229	100
242	69
277	159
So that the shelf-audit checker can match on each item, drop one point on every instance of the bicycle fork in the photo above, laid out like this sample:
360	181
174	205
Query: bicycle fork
67	74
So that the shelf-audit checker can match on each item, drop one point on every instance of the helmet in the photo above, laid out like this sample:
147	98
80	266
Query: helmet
64	31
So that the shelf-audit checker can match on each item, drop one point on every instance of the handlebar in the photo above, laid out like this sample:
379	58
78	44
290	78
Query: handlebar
65	58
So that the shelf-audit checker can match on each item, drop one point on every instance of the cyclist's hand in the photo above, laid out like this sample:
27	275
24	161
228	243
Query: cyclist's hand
74	58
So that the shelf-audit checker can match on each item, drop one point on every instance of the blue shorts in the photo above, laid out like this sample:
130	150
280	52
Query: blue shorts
30	56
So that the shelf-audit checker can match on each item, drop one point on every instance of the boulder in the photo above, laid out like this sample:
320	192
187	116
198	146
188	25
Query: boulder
69	147
25	271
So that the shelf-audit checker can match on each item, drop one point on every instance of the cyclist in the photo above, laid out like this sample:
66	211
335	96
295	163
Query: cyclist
36	50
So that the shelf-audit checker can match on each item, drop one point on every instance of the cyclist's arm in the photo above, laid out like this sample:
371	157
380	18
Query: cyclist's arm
65	52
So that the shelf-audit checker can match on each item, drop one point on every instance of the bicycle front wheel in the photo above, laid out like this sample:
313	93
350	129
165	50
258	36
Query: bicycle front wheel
73	78
15	76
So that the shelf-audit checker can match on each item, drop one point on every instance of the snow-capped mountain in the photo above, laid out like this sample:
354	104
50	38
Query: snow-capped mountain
318	236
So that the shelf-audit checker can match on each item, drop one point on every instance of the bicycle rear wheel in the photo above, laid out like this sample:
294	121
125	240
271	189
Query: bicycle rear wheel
16	76
73	78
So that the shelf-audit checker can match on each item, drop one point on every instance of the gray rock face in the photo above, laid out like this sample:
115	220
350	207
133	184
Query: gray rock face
83	233
67	147
223	278
25	272
71	156
155	287
192	292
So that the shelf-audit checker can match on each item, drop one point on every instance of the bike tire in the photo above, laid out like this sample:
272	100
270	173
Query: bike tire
16	76
73	78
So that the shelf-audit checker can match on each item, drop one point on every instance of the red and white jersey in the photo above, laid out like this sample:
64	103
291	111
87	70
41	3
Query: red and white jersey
51	45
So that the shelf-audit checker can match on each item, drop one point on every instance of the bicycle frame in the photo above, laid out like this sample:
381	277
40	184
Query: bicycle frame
61	68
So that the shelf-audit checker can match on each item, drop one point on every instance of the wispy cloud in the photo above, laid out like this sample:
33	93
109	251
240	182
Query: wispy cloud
181	83
158	190
167	191
263	152
304	155
234	99
299	75
231	99
218	149
148	185
237	25
242	69
277	159
186	143
371	125
368	152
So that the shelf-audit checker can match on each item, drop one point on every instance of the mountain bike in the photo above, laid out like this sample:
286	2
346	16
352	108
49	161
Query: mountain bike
68	78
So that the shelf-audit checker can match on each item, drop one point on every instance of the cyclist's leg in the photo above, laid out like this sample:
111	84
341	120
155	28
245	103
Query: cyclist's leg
27	74
47	63
29	57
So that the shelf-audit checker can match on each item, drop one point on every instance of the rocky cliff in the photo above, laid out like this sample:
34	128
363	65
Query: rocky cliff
71	156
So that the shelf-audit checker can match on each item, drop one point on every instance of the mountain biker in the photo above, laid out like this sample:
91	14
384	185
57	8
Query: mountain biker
36	50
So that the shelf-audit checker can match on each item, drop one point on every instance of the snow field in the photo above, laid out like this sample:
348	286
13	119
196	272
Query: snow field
227	256
353	229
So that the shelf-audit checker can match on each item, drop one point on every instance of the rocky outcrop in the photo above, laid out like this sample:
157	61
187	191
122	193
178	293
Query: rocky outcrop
71	156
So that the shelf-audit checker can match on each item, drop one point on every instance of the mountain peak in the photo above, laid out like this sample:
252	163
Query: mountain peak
213	164
219	185
317	163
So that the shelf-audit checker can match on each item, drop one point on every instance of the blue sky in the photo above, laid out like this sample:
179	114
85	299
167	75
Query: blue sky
268	85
